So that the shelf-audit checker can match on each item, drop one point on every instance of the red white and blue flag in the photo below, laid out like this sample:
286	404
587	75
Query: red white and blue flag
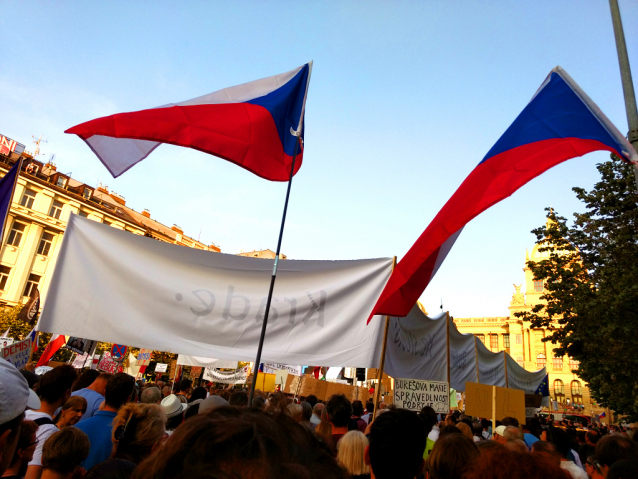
559	123
255	125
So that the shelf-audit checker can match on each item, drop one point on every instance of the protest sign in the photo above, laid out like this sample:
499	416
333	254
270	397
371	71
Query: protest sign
196	371
80	361
271	368
237	376
266	382
414	394
107	364
161	367
80	345
5	341
281	376
479	402
144	357
18	353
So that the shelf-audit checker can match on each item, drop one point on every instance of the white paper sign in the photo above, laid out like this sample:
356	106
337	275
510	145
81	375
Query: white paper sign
18	353
5	341
80	360
161	368
201	303
238	376
414	394
272	368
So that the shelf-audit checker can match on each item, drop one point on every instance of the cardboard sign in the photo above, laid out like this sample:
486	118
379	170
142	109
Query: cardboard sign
17	353
144	357
107	364
281	375
265	382
5	341
161	367
196	371
415	394
509	402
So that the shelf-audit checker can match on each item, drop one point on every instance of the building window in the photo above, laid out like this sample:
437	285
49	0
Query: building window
28	198
84	214
61	181
506	341
481	337
494	341
557	364
86	194
573	364
559	391
541	361
538	286
56	210
32	283
576	393
15	236
4	276
107	222
45	244
519	338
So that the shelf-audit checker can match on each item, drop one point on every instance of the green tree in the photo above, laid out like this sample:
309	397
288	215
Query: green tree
591	286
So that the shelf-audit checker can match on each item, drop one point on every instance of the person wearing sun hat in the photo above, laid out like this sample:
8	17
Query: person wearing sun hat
15	398
499	435
174	409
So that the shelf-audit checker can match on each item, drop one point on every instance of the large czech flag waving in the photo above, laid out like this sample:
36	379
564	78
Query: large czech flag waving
559	123
254	125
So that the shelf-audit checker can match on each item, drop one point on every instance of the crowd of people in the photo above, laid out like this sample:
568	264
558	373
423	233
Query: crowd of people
98	425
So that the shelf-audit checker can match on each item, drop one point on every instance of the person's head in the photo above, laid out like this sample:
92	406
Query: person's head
306	411
465	430
214	402
15	397
351	454
485	424
185	386
561	442
429	418
591	438
241	442
397	441
452	456
339	410
447	430
174	410
357	408
64	450
369	407
510	421
85	379
198	393
613	448
517	445
318	409
498	434
100	382
55	385
119	390
72	411
295	411
312	400
151	395
238	398
513	433
111	469
546	449
138	429
26	445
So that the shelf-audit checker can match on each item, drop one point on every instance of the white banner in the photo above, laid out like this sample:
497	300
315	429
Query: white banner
127	289
417	347
238	376
462	358
206	362
272	368
491	366
415	395
520	378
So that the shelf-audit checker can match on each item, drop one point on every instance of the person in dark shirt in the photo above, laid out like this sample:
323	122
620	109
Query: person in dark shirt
339	412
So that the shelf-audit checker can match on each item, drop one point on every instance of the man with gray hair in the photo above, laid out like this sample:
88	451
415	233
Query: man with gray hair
316	413
513	433
151	395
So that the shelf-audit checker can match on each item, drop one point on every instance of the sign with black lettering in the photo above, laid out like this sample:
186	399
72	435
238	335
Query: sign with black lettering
414	394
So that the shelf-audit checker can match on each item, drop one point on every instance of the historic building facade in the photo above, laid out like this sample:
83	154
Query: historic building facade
43	200
525	344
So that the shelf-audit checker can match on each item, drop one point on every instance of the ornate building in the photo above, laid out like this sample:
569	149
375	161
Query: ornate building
42	202
526	345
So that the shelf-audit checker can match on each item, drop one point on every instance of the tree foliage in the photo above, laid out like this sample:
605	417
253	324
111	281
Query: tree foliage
591	286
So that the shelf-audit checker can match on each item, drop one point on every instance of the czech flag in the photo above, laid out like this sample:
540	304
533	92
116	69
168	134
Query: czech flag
559	123
256	125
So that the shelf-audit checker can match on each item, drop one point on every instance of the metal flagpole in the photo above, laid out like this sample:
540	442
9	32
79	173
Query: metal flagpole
377	390
274	272
625	75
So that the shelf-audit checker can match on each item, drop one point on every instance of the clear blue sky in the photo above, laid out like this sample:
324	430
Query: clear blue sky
405	99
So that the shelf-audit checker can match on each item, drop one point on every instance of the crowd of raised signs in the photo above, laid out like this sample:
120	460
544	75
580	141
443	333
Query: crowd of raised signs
99	425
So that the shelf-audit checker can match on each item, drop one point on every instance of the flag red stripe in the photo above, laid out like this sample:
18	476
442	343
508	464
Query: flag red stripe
489	183
242	133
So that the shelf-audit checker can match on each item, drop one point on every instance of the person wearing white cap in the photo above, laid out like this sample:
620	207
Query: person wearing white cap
499	435
15	397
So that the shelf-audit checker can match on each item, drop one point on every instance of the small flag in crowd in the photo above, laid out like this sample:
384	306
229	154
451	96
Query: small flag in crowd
249	125
560	122
56	342
29	311
603	414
